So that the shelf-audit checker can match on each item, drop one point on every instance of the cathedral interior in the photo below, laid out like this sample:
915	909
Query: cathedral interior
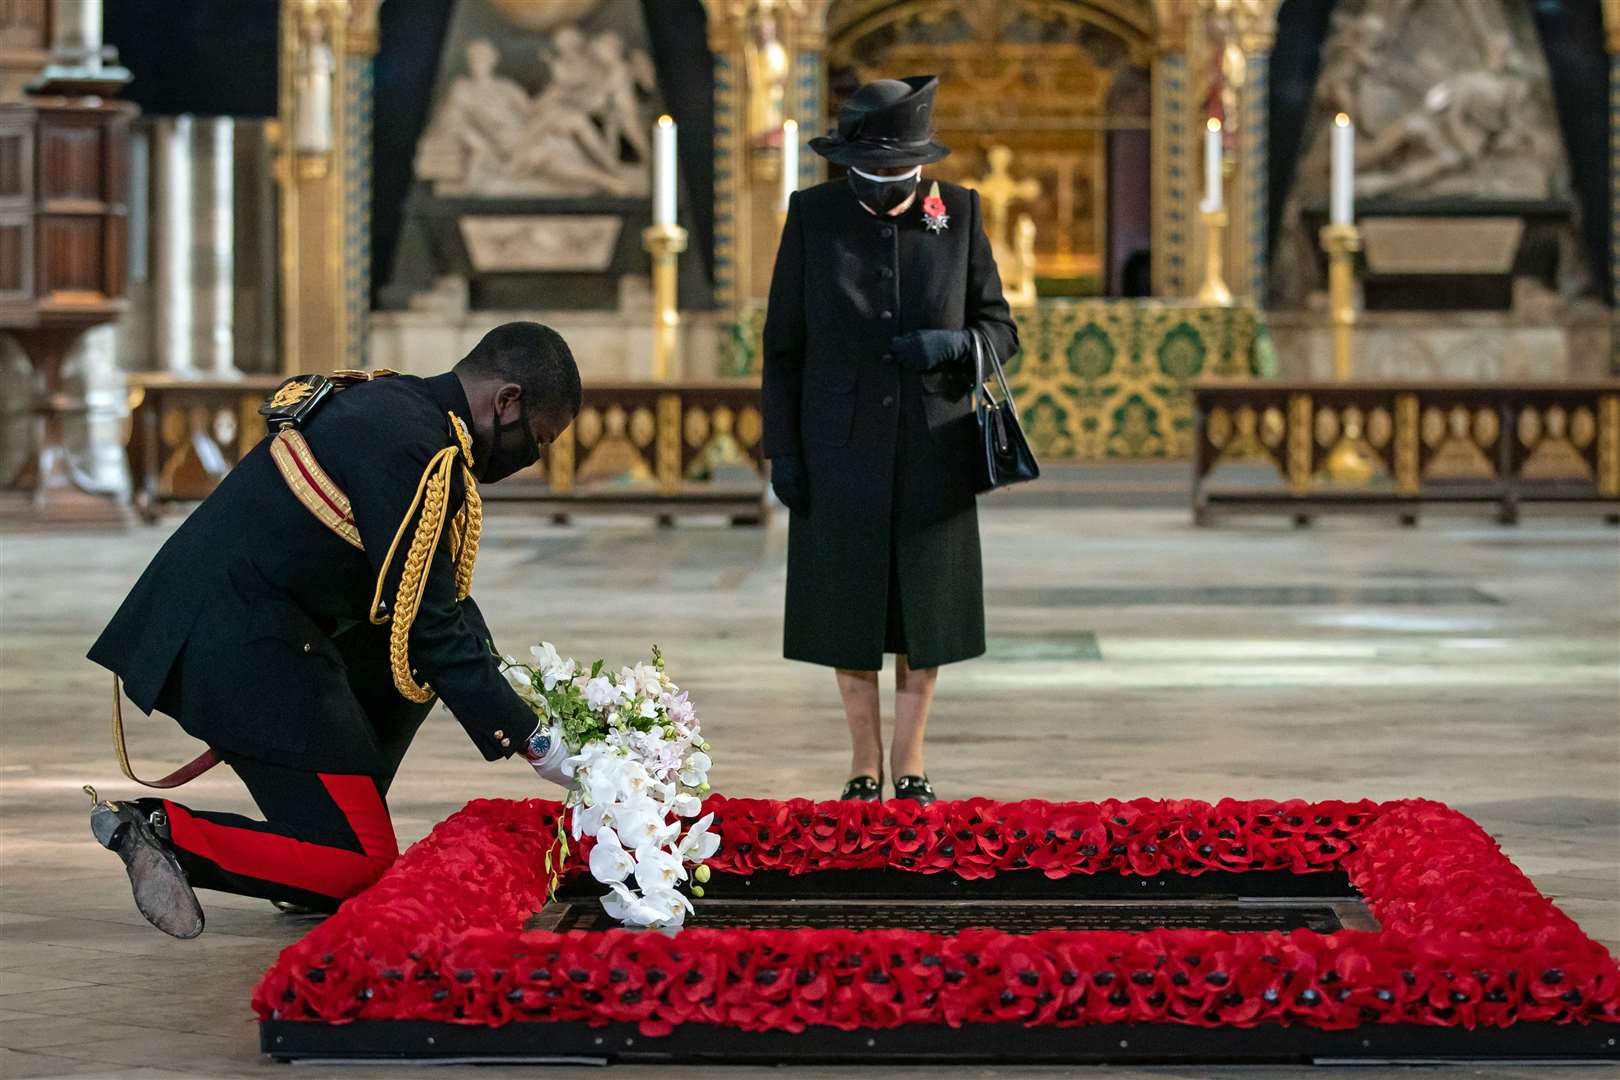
1317	303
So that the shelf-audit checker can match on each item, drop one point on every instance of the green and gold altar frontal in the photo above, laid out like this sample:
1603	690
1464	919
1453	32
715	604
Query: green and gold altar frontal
1113	378
1102	379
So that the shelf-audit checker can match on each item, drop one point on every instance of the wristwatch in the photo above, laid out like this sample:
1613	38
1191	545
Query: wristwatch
538	745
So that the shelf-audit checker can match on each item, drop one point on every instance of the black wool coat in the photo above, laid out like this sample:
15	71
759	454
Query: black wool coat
250	625
888	452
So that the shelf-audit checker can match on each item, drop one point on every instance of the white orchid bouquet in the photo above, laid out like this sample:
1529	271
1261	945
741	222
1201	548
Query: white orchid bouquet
630	750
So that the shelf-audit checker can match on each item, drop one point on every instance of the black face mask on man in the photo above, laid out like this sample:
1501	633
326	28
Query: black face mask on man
509	453
881	194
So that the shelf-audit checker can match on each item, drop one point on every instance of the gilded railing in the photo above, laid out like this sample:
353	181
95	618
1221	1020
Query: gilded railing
662	445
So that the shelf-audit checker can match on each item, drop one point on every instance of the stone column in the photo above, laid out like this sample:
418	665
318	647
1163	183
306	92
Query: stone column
97	452
1248	273
747	177
173	338
323	171
1256	27
76	33
1174	175
213	162
79	60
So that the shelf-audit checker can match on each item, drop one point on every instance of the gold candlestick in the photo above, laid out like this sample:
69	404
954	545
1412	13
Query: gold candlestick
1341	242
1214	290
1346	462
664	243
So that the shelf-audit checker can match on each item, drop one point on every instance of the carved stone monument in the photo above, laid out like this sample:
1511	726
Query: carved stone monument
532	175
1456	133
1463	195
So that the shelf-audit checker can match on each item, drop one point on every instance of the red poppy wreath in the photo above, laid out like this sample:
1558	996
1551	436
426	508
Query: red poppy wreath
1465	938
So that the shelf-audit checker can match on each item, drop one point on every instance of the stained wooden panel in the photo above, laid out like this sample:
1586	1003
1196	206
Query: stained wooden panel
17	156
16	280
72	250
24	24
70	162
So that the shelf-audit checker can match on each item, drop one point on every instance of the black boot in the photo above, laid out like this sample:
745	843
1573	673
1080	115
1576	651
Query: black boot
140	837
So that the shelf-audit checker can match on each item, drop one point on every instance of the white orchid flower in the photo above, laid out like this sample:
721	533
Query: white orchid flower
587	820
600	693
626	907
657	869
609	861
670	905
699	844
553	668
687	805
641	823
696	771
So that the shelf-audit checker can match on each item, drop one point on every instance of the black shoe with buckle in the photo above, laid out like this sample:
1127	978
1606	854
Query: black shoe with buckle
914	787
863	789
139	836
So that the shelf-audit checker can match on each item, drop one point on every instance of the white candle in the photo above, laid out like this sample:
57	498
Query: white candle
1341	204
790	160
1213	196
664	172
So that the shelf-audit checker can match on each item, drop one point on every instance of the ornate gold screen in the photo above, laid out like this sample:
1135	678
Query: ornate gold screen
1046	78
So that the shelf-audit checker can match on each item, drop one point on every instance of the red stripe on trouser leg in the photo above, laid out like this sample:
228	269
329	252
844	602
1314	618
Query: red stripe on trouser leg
317	868
366	813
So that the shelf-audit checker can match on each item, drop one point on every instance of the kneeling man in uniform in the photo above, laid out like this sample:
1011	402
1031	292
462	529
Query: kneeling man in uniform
303	620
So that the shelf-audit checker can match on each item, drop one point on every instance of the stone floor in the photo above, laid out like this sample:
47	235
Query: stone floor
1131	655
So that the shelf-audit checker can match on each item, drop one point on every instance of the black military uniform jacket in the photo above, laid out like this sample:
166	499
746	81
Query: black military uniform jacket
251	625
888	452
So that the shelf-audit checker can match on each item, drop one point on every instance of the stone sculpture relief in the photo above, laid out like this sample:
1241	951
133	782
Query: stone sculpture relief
583	133
1439	91
1452	100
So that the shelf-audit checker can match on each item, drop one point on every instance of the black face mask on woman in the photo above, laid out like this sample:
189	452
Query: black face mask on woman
508	455
882	194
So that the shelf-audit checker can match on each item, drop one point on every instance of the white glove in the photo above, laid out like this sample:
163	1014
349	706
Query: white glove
546	751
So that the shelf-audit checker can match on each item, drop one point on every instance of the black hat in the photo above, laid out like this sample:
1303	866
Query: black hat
885	124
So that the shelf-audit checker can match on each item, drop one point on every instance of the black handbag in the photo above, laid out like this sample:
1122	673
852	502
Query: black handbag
1005	457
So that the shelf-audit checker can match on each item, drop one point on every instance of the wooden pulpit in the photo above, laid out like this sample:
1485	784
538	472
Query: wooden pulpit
64	210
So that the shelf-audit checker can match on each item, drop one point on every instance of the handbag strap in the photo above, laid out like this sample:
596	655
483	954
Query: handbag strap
981	346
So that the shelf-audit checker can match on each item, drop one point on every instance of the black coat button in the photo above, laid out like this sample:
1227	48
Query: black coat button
885	315
888	399
887	232
887	272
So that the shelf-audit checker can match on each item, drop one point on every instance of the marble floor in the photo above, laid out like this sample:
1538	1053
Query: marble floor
1131	655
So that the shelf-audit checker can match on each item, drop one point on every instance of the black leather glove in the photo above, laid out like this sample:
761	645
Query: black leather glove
789	482
925	350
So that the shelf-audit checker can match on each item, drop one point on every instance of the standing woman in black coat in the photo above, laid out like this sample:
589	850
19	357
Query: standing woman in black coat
879	280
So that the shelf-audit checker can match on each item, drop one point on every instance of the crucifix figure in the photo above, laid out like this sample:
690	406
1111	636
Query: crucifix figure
998	191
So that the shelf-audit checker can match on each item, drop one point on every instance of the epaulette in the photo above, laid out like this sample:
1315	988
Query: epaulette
296	398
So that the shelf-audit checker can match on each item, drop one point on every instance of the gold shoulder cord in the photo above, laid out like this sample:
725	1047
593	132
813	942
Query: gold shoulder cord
432	497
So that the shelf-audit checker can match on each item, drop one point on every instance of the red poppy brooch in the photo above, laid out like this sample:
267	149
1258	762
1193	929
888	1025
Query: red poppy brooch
933	207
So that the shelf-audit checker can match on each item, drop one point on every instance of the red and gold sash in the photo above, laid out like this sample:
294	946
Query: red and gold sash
311	486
